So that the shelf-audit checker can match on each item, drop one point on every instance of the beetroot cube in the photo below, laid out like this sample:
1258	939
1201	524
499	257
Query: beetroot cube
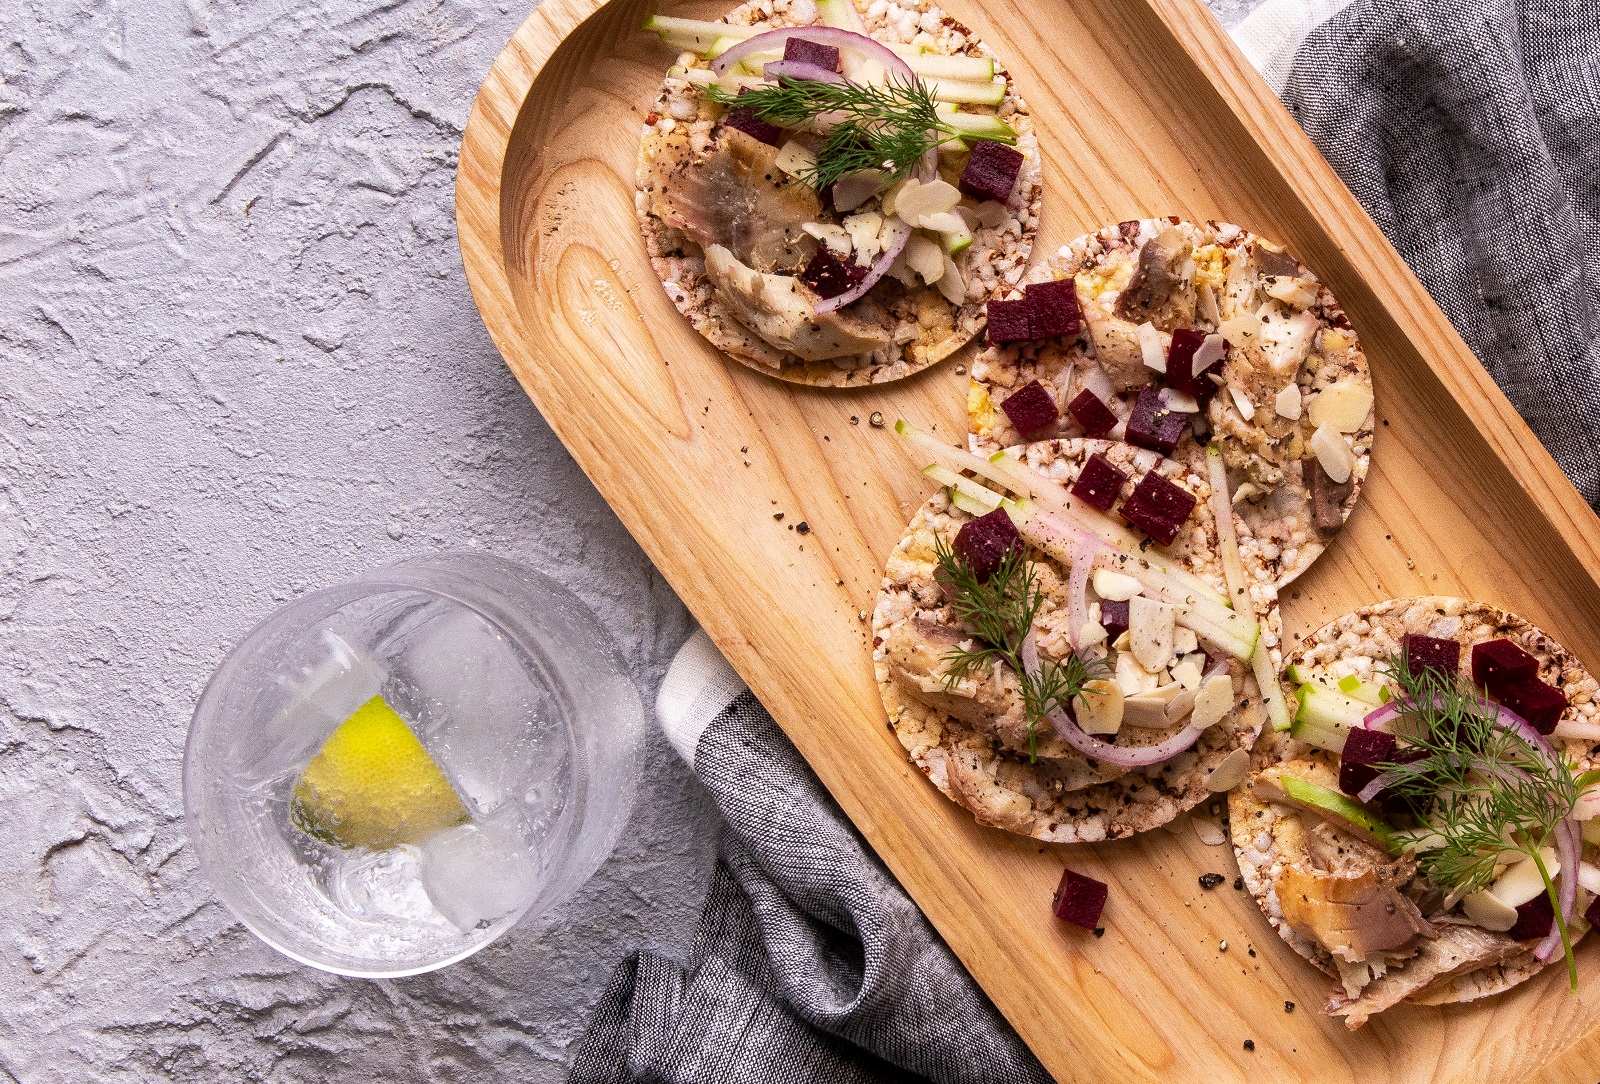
984	542
1031	409
991	171
1422	653
1114	617
1079	899
1092	413
1055	308
1540	704
1010	321
1392	802
810	52
751	125
829	275
1180	358
1498	663
1534	919
1363	749
1158	507
1152	425
1099	483
1592	915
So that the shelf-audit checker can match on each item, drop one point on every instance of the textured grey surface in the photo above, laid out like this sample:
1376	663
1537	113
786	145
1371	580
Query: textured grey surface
238	361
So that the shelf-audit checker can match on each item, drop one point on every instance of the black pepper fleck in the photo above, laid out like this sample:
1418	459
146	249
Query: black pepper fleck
1249	1044
1238	884
855	419
803	527
876	419
778	516
1099	931
1288	1006
1208	881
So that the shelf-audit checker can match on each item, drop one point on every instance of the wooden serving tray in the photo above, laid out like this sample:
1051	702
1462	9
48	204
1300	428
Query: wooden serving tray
1143	107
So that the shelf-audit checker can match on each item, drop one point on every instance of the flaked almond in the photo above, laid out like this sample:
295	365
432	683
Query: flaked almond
1343	405
1333	453
1099	707
1114	585
1151	625
1288	403
1231	772
1212	702
1154	350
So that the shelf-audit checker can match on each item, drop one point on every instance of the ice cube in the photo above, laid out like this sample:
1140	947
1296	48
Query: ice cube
479	873
494	732
316	700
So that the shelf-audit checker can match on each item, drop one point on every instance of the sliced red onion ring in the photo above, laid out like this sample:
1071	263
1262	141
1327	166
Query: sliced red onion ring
822	35
1375	718
1566	887
1074	736
1084	551
879	268
799	69
1380	783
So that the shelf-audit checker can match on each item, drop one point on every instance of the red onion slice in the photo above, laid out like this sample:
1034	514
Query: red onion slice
1084	551
1094	747
799	69
1375	718
879	268
1566	888
822	35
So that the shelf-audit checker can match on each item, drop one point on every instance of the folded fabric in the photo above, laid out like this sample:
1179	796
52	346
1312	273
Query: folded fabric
1467	131
810	963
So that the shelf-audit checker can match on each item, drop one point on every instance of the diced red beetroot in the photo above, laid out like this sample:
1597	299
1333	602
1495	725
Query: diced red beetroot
1592	915
1540	704
829	275
1010	321
1100	482
751	125
991	171
1114	617
1152	425
1422	653
1498	663
1055	308
1031	408
1079	899
1391	802
1363	748
1533	919
1092	413
811	52
1180	358
1181	373
1158	507
984	542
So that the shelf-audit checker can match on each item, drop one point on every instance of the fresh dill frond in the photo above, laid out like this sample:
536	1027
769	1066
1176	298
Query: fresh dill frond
889	127
1000	611
1479	787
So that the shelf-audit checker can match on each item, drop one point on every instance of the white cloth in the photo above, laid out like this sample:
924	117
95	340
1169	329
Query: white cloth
1271	35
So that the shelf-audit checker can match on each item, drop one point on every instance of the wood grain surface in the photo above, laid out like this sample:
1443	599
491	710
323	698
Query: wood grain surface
1144	107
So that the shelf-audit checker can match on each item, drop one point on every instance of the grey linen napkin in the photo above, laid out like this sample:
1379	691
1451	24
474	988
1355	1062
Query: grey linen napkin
1468	130
810	963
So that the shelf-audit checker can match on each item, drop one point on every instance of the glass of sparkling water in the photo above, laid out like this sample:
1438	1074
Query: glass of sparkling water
515	692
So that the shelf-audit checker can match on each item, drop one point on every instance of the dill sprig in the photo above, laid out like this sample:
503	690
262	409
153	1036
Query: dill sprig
1000	611
1479	788
888	127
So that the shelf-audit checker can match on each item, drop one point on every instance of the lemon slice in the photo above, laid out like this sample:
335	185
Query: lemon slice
372	784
